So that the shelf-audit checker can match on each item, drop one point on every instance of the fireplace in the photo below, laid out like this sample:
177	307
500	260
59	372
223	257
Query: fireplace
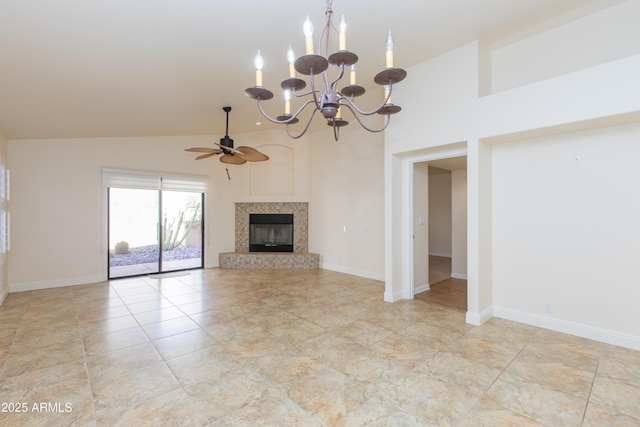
299	210
298	258
271	232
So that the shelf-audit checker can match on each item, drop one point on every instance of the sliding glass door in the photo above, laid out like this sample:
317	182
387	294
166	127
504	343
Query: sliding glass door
181	231
153	231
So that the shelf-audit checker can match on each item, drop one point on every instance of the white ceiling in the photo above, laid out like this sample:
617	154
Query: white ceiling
97	68
447	165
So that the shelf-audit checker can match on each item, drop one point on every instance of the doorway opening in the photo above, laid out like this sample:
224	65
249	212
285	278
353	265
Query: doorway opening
154	231
440	231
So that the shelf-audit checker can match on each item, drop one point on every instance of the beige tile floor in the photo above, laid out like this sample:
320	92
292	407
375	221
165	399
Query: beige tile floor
439	268
293	348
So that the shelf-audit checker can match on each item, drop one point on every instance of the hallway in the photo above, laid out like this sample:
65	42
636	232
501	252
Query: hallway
445	291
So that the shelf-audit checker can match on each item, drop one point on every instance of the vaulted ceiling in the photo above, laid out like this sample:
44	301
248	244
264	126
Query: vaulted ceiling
92	68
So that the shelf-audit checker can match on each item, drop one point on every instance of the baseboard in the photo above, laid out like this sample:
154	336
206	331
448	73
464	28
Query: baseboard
352	271
439	254
47	284
477	319
458	276
393	296
572	328
421	289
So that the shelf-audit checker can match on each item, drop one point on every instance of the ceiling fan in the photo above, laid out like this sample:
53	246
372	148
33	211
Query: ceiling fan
230	155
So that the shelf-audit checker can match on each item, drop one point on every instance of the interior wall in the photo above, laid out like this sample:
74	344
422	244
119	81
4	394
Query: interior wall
346	208
440	214
565	227
459	224
59	205
274	177
605	97
421	225
595	39
434	98
4	285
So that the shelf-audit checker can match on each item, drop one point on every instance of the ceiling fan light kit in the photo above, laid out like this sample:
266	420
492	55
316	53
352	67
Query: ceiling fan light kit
328	99
230	155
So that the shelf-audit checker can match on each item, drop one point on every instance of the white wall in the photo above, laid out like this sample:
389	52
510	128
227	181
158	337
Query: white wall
59	235
421	226
440	214
346	181
434	96
591	112
4	284
566	227
459	224
593	40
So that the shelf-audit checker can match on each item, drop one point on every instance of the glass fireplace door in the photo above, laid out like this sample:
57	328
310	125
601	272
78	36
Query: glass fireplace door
271	232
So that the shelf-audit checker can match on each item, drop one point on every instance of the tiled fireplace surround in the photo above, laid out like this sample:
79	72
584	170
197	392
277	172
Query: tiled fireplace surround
299	258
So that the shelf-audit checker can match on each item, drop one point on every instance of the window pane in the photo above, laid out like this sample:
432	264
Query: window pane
133	232
181	230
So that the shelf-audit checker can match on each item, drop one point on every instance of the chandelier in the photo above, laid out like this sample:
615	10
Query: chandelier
326	97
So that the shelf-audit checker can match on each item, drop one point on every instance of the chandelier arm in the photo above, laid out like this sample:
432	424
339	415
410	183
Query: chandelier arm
302	107
386	123
325	79
300	95
334	84
313	90
336	132
325	34
354	108
365	113
305	128
283	122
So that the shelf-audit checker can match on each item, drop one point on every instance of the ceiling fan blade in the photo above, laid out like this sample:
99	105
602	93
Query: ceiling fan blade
252	155
230	149
202	150
232	160
204	156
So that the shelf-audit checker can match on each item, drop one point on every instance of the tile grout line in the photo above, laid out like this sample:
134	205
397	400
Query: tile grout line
496	380
181	386
593	381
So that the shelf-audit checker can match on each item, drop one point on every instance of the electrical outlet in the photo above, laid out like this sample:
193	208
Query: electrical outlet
548	307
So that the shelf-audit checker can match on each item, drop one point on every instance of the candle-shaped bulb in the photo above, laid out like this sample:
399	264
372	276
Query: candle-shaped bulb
287	101
389	53
291	58
308	36
352	75
343	34
259	63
